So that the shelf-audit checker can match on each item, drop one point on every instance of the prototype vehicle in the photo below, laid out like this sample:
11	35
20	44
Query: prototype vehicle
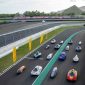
71	42
72	75
79	43
78	48
57	46
53	41
54	72
61	42
21	69
76	59
67	48
62	56
37	54
36	71
49	56
47	46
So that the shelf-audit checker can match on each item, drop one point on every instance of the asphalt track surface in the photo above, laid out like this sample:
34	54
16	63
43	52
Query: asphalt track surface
10	77
12	37
29	29
6	28
64	67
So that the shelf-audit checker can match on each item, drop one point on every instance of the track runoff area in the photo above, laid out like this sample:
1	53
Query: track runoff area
10	77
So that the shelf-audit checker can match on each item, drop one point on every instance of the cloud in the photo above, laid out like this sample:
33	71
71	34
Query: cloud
13	6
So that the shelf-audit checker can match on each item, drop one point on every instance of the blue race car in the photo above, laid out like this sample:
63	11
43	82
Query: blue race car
62	56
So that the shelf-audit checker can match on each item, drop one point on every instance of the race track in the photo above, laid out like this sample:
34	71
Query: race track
10	77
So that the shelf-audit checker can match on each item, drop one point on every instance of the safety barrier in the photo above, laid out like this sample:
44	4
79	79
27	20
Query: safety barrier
48	67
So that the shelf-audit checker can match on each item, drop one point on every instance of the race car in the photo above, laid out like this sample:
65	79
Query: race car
61	42
79	43
49	56
57	46
53	41
36	71
71	42
67	48
78	49
72	75
48	46
54	72
37	54
76	59
62	56
21	69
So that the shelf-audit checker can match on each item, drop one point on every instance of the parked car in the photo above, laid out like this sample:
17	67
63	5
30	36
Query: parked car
37	54
78	48
53	41
76	59
57	46
54	72
48	46
36	71
21	69
61	42
79	43
49	56
67	48
72	75
62	56
71	42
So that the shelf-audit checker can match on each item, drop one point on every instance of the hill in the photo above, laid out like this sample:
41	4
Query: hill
74	9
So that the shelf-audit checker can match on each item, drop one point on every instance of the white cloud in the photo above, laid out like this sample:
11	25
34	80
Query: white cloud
12	6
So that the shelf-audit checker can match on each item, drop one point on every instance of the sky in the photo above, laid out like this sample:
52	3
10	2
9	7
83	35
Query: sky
14	6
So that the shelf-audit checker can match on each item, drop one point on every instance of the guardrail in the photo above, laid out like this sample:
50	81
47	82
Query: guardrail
48	67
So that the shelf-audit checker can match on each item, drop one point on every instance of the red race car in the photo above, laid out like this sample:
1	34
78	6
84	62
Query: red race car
72	75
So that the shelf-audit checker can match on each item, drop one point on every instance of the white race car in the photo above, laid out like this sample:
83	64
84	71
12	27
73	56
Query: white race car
76	59
37	70
61	42
48	46
79	43
67	48
53	41
49	56
37	54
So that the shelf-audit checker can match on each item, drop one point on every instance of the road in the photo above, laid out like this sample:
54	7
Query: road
7	28
64	67
10	77
8	34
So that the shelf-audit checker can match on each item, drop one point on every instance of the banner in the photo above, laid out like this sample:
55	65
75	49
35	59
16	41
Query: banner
14	54
41	38
30	43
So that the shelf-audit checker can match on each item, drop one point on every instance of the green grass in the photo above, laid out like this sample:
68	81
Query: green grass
6	61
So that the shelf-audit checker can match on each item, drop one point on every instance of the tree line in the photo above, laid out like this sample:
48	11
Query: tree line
36	13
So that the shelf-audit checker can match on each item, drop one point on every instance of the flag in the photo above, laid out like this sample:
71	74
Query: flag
41	38
30	43
14	54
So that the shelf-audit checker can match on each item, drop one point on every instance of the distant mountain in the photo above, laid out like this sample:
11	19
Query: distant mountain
73	9
82	8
